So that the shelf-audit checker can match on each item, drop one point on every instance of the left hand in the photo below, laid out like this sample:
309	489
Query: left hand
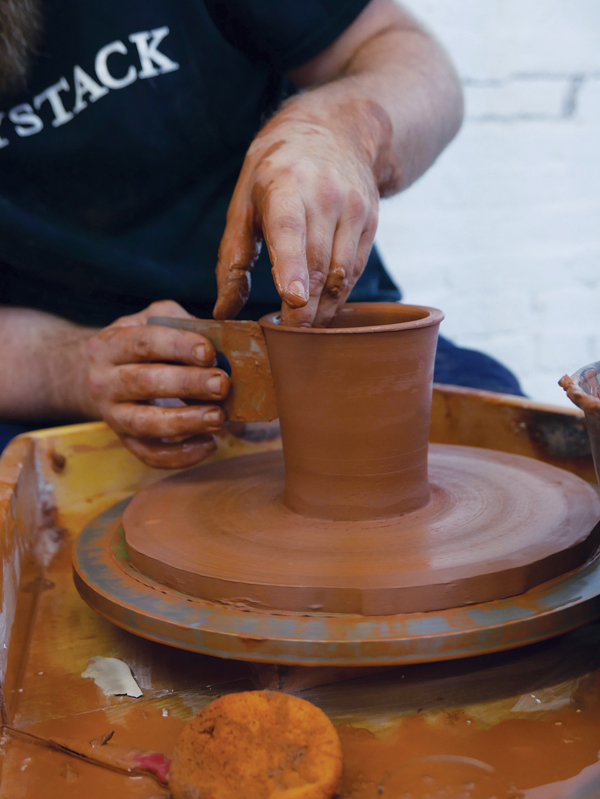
308	188
132	366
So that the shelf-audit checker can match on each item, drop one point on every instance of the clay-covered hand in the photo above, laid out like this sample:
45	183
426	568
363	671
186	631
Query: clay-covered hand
308	189
131	365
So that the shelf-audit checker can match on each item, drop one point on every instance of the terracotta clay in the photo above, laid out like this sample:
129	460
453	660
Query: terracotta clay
529	751
251	397
354	404
350	525
495	526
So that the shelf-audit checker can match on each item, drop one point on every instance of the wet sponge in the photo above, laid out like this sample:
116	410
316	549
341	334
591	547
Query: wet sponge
257	745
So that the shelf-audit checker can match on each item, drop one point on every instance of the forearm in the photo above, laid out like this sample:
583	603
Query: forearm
396	92
379	106
43	366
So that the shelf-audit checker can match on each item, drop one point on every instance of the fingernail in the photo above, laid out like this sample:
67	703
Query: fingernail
200	352
213	384
298	289
212	417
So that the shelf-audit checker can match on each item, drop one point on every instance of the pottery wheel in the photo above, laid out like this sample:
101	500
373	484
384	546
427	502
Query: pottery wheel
495	526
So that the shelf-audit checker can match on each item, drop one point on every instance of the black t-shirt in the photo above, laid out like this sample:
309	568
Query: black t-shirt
118	162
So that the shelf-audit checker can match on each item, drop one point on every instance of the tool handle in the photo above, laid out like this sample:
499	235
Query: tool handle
252	396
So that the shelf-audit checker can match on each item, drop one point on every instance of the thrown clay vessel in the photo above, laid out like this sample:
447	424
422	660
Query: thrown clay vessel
353	523
354	403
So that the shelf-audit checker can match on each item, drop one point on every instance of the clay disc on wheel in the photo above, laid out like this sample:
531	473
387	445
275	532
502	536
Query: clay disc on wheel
495	526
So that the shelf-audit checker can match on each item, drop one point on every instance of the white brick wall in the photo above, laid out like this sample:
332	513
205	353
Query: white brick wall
503	233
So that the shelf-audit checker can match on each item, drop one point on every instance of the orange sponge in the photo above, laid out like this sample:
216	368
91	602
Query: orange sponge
257	745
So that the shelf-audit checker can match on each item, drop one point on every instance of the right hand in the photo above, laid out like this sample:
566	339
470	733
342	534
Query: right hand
131	363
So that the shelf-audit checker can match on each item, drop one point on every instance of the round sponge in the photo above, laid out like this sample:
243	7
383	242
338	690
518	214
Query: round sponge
257	745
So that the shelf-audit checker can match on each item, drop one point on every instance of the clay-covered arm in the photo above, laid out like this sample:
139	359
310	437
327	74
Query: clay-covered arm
379	106
51	368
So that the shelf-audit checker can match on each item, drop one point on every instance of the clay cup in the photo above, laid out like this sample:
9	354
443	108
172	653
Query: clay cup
354	403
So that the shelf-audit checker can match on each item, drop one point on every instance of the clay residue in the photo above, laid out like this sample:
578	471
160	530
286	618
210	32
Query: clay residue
512	757
251	397
587	402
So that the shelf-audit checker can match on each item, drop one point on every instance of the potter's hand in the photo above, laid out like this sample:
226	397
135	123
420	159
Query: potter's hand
382	102
131	364
307	187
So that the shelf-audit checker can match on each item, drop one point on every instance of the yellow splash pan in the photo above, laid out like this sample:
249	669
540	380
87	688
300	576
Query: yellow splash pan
532	715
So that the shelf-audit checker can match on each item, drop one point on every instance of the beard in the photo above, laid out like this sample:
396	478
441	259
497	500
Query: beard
20	33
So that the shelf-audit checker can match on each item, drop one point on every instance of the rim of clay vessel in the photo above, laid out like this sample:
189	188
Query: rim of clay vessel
424	316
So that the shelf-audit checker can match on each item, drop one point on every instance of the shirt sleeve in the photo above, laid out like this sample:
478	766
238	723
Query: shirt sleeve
283	33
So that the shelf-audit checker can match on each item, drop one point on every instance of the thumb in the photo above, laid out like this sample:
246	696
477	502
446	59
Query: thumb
240	247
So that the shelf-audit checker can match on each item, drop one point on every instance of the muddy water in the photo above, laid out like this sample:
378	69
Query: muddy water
423	757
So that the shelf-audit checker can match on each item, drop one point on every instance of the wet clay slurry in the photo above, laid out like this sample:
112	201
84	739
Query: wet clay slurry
547	755
351	525
354	405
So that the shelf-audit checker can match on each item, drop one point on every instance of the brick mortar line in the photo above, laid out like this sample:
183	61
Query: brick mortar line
568	106
550	77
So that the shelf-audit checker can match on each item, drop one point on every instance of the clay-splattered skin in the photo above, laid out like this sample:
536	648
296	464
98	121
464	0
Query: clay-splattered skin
383	102
380	103
309	190
589	403
132	364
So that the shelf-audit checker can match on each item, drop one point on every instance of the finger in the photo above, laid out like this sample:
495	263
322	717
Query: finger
159	308
334	295
341	275
120	345
161	455
319	235
325	315
152	381
363	250
284	231
151	421
365	245
240	247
